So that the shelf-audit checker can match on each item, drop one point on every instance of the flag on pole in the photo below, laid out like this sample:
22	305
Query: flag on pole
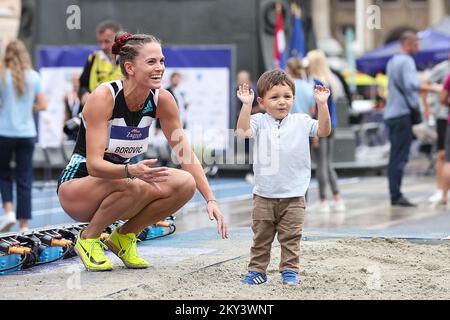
297	41
280	40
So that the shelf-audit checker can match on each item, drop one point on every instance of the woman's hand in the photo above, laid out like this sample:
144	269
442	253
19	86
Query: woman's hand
245	94
143	171
214	213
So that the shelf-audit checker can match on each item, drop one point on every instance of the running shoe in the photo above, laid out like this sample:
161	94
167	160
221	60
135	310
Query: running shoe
254	278
436	197
8	222
441	204
125	247
339	206
92	255
324	207
290	277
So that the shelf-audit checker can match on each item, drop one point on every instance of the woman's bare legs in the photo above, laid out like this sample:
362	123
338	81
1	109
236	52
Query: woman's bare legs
103	201
179	194
440	161
8	206
445	182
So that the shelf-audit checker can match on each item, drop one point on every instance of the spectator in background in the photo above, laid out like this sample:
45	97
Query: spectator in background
323	147
445	100
403	91
72	109
438	112
20	96
376	134
347	94
179	95
242	77
182	104
101	65
304	91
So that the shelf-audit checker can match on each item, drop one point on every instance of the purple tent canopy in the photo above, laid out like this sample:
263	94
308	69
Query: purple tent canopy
434	47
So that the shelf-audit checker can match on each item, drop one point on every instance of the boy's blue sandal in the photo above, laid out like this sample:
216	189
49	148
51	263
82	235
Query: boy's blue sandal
290	278
254	278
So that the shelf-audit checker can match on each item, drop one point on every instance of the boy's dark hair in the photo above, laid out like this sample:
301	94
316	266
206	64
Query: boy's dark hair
272	78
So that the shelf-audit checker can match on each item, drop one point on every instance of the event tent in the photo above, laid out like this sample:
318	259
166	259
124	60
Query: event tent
434	48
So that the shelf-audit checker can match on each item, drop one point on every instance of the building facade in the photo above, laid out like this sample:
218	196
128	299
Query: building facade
332	17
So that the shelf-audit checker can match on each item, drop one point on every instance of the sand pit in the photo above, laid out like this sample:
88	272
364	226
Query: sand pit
338	269
330	269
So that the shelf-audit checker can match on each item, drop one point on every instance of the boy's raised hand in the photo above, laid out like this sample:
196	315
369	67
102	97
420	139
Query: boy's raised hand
245	94
321	94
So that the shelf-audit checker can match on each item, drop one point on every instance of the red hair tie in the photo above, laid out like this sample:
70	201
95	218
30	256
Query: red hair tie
120	42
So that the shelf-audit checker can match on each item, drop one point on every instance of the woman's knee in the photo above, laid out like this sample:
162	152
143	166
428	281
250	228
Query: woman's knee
191	185
185	184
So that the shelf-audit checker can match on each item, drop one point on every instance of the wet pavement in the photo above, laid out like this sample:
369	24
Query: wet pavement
368	210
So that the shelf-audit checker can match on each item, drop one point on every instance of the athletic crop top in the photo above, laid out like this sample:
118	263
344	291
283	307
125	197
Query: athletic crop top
127	131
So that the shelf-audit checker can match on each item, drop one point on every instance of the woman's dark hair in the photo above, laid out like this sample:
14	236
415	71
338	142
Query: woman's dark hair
126	47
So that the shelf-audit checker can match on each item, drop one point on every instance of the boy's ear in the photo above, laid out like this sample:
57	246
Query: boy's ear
260	102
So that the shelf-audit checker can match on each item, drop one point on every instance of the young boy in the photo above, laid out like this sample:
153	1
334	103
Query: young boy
282	168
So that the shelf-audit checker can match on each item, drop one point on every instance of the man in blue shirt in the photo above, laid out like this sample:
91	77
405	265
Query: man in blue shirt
403	94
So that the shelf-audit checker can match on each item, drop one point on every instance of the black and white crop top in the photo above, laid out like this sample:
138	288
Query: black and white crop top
128	131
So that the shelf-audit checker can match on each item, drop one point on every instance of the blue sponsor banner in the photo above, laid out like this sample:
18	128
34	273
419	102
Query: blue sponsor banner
176	57
127	133
63	56
207	71
207	57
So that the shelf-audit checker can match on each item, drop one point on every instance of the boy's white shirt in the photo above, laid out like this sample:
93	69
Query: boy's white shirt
281	154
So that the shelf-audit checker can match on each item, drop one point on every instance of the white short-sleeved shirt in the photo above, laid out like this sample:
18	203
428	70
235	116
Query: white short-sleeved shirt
281	157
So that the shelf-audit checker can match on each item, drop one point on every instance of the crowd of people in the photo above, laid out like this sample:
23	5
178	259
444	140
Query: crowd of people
119	95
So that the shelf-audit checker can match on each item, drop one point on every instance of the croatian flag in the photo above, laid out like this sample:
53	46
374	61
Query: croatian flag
280	40
297	43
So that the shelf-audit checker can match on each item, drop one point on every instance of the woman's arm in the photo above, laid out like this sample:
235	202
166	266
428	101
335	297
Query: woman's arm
423	97
443	97
169	117
40	103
